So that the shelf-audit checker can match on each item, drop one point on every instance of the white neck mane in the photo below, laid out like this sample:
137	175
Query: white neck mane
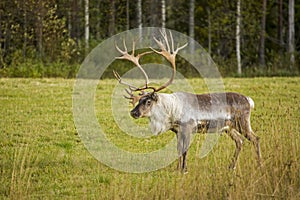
164	113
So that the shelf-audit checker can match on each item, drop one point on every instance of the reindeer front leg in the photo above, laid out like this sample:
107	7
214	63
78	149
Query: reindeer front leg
183	144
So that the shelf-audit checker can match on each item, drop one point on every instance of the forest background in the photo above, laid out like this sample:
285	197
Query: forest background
51	38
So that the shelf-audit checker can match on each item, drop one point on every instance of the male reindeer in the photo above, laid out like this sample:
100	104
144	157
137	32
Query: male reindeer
185	113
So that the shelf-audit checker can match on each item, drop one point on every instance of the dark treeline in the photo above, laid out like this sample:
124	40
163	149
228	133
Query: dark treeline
42	38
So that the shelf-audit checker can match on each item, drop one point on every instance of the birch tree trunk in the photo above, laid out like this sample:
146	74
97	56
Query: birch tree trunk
209	36
238	38
139	16
163	13
192	25
291	39
86	26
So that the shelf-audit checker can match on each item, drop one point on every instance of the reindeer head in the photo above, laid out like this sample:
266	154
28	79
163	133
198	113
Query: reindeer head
144	106
146	100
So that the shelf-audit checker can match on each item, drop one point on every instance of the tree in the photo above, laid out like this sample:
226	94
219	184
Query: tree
127	15
87	26
262	35
280	26
40	14
112	19
163	13
75	20
209	35
139	17
238	35
291	38
192	25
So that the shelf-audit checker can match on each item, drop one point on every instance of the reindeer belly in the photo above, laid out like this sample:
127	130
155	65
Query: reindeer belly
213	126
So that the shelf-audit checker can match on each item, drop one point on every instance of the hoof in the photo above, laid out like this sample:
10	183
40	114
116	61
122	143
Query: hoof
184	171
232	167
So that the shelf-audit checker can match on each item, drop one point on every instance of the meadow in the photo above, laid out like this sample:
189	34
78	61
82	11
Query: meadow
43	157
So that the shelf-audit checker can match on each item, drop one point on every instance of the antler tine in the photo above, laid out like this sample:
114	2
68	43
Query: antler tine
179	48
118	77
129	92
165	37
133	47
120	51
132	97
160	44
124	44
172	41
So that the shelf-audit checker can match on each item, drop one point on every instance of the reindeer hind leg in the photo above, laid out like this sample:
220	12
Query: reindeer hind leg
236	136
255	141
249	134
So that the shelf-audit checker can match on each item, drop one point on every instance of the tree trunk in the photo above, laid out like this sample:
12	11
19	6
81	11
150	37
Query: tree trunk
39	28
75	22
139	16
112	20
153	13
262	36
192	25
127	15
291	40
209	31
87	26
98	24
69	22
280	26
163	13
238	38
25	31
69	17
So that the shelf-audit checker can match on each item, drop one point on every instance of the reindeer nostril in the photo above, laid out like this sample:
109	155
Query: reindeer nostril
135	114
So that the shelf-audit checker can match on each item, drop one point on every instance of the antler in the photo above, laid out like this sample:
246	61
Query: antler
134	59
168	53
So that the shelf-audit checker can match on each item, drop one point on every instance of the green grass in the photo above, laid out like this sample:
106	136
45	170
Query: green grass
43	157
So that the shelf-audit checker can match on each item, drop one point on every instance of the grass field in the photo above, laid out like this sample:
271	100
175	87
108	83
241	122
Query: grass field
43	157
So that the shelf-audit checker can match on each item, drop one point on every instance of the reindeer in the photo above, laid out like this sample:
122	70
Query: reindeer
186	113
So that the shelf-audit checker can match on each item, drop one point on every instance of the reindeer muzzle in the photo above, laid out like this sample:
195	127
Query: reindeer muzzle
135	113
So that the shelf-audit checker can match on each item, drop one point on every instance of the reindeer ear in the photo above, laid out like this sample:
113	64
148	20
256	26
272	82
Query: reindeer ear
154	96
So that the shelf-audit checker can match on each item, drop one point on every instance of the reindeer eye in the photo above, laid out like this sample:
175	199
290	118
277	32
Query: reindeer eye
148	102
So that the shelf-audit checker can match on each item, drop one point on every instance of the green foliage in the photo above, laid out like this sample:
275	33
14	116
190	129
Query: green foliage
41	33
37	69
34	36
